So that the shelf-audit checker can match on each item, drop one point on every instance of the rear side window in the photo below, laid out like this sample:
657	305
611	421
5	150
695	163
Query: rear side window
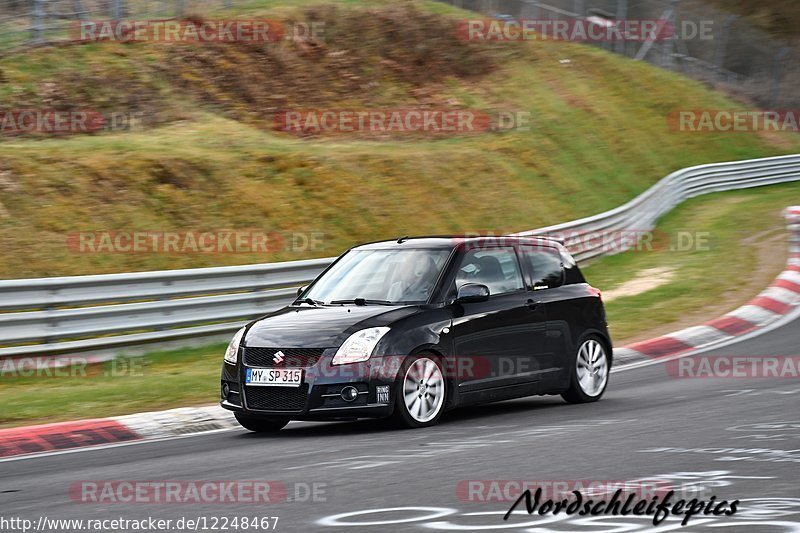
496	268
547	270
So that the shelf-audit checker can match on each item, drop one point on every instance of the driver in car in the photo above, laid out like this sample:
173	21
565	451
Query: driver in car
414	280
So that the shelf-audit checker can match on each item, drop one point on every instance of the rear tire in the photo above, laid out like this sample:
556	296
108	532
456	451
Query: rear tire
420	392
589	372
261	425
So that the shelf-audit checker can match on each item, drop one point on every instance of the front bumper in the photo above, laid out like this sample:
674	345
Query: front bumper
319	396
323	413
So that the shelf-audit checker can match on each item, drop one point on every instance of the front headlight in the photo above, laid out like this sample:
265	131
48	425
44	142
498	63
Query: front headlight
358	347
232	353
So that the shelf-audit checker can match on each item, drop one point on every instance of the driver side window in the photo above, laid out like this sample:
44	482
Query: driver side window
497	268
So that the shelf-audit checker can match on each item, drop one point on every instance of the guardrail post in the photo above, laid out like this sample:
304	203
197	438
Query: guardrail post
668	61
722	45
80	11
620	16
118	9
37	26
777	75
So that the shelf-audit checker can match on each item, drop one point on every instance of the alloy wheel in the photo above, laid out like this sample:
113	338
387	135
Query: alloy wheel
423	390
592	367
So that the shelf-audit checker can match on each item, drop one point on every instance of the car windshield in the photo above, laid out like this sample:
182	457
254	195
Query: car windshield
381	276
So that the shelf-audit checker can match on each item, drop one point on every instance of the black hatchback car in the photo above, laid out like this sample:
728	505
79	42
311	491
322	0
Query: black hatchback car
413	327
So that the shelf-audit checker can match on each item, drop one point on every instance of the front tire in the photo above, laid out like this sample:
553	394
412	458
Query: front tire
261	425
421	391
589	373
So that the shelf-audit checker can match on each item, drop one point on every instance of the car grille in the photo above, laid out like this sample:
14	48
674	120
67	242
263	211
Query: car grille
292	357
277	398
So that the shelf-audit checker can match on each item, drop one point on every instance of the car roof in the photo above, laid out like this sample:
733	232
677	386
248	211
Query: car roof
453	241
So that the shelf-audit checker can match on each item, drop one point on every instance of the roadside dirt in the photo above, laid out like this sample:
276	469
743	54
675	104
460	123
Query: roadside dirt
646	280
772	246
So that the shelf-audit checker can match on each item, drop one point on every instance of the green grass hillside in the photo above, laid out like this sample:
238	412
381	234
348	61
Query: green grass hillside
206	156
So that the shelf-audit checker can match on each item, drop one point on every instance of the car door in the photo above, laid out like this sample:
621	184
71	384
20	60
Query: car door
498	339
545	271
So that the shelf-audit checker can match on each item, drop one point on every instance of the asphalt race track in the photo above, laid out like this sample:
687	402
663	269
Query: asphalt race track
732	438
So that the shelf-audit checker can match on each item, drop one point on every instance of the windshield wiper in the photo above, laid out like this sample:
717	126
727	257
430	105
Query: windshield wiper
307	301
362	301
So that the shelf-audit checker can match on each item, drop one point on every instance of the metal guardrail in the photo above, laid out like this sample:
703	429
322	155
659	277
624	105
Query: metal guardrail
641	213
56	315
84	313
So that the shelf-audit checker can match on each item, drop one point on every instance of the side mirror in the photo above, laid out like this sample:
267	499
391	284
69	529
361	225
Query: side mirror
301	290
472	292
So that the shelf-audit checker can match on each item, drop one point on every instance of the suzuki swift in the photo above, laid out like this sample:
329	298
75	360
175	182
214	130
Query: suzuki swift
411	328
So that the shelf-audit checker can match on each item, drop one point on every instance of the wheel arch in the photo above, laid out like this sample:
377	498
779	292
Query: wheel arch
451	399
603	337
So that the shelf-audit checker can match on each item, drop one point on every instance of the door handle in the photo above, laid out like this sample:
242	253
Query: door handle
532	304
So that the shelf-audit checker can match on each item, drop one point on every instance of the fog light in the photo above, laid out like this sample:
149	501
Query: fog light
225	391
349	394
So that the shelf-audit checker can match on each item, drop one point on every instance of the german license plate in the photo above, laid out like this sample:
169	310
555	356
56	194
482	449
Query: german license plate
276	377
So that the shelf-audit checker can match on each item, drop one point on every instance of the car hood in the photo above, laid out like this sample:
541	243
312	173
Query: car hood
320	327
